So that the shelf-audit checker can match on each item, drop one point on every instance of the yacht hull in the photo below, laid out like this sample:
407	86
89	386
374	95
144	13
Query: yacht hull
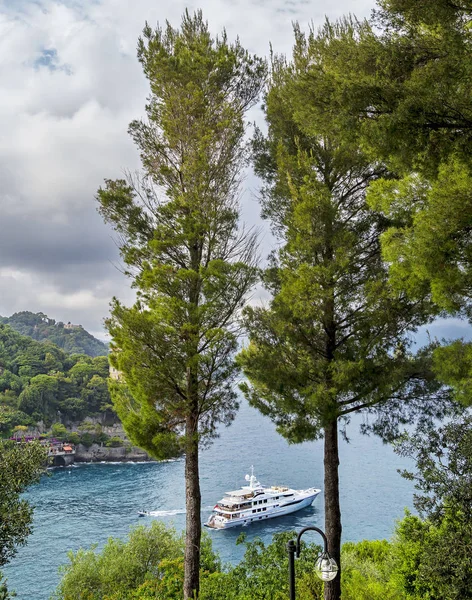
217	523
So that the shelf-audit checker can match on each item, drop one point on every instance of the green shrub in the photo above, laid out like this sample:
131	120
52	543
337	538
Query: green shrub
263	574
114	442
367	568
87	439
122	566
149	566
9	417
88	427
74	438
4	593
59	431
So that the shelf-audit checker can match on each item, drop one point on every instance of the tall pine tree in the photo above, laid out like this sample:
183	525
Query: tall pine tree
191	267
335	338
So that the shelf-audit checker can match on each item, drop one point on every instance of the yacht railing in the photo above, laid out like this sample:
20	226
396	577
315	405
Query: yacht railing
232	509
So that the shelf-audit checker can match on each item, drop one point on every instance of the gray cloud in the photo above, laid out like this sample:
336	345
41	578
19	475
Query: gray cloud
43	245
71	83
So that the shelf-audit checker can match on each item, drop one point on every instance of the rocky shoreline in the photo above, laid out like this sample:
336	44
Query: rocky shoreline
101	453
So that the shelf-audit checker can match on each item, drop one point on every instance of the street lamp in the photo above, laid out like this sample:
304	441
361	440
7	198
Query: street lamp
325	566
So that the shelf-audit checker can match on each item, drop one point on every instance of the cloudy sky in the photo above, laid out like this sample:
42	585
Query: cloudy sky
70	84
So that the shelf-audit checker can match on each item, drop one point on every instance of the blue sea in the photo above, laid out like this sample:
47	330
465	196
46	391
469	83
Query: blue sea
86	504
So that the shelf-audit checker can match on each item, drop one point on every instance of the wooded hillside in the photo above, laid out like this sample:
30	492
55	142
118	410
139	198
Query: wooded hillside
73	339
41	382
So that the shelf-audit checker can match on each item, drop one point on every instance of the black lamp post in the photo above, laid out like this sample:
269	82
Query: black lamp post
325	566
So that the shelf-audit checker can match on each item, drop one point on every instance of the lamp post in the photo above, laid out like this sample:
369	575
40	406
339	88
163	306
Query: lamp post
325	566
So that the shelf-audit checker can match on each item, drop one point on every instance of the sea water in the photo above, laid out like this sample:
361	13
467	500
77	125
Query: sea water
86	504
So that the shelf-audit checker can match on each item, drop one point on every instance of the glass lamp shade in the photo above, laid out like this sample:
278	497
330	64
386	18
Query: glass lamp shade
326	567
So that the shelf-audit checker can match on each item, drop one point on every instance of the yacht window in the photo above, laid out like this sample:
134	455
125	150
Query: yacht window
253	511
265	501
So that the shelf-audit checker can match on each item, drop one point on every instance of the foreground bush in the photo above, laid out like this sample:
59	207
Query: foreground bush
151	556
368	571
263	574
149	566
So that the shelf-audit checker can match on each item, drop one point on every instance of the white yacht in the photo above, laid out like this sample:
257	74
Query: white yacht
256	502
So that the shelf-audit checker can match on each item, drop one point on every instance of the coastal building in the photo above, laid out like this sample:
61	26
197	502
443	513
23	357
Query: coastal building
115	374
60	454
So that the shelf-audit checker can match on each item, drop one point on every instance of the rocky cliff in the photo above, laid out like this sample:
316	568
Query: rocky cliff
99	453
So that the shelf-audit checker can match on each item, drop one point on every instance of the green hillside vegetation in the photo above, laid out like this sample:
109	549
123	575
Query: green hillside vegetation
72	339
41	382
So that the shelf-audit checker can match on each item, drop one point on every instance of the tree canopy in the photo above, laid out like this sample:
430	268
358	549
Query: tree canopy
403	81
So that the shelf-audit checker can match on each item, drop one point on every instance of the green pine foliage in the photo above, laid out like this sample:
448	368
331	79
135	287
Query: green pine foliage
40	382
43	329
405	83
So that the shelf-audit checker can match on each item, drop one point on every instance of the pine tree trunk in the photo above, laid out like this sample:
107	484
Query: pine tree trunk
193	531
193	499
333	527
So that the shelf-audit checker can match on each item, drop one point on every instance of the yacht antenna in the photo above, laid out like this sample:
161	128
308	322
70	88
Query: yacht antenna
253	479
253	483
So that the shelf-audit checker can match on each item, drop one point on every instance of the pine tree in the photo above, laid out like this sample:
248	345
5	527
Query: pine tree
190	265
335	338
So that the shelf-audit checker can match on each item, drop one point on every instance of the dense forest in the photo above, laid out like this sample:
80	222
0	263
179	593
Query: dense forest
71	338
41	382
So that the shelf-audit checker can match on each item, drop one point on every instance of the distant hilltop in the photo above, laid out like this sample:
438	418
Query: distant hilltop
73	339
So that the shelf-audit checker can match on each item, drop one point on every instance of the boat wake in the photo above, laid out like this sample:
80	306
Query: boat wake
164	513
169	513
